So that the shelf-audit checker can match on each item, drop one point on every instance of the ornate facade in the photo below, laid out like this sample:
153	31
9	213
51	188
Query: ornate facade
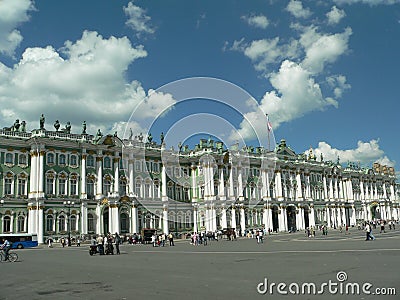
55	182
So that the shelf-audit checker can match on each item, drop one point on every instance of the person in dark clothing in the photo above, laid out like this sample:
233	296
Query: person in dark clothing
117	242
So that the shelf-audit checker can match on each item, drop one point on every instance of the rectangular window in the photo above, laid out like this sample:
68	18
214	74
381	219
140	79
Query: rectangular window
90	188
61	186
21	187
8	186
49	186
138	166
73	187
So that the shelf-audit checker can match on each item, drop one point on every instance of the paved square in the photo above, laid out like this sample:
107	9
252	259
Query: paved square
221	270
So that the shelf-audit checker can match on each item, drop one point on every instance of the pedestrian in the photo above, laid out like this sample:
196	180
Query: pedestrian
78	242
171	239
63	242
50	243
117	242
367	232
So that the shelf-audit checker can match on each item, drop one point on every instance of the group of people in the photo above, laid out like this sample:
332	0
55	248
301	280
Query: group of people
105	244
160	239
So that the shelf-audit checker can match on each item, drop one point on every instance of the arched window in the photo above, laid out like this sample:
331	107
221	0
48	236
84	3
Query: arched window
73	184
73	160
122	187
72	220
22	184
50	183
61	159
91	223
124	219
8	184
138	186
9	158
7	224
49	223
50	158
21	224
61	185
22	159
107	162
90	161
61	223
107	185
90	188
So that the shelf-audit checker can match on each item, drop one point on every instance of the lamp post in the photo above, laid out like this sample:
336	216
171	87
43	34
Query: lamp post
68	204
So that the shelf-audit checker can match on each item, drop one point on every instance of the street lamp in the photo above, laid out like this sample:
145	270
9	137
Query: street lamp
68	204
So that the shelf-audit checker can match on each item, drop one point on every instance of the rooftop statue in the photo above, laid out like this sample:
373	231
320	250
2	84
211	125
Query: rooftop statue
23	126
130	133
16	125
140	137
149	138
162	138
84	127
98	135
41	121
57	125
67	128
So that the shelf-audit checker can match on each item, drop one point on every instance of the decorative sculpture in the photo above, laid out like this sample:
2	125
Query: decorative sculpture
41	121
149	138
57	125
84	127
162	138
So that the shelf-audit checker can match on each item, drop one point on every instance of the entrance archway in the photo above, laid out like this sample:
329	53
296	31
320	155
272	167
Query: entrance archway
375	211
291	218
275	220
105	221
306	217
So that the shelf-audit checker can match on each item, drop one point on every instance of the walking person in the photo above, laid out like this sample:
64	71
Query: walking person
117	242
367	232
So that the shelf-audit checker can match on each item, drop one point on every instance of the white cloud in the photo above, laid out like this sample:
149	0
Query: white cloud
137	19
296	93
12	13
259	21
366	153
335	15
322	49
84	81
266	51
369	2
338	84
296	8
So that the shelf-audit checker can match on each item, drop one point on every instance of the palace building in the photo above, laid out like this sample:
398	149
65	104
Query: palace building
55	183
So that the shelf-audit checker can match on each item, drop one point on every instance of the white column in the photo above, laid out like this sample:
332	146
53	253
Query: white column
99	219
113	219
353	220
224	222
242	220
84	225
221	187
40	229
194	183
195	219
83	178
134	219
331	197
116	177
165	219
392	194
240	183
164	196
41	174
233	216
278	185
34	175
281	218
231	187
325	188
299	195
311	216
131	179
99	166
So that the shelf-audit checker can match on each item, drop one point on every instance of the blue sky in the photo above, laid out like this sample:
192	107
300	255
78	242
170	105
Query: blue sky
326	72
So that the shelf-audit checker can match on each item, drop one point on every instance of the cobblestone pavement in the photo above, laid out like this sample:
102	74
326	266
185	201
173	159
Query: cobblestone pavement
220	270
